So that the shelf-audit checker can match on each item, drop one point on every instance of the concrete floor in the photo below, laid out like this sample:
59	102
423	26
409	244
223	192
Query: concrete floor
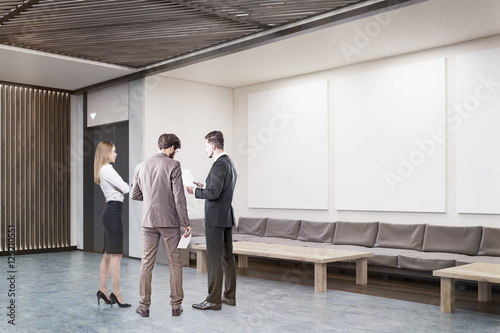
56	293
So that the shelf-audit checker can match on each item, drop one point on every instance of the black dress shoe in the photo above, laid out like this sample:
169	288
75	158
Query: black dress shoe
100	295
143	313
227	301
114	299
205	305
176	312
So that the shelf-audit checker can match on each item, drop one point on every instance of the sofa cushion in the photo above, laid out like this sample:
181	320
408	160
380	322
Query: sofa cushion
490	242
470	259
282	228
252	226
426	261
400	236
355	233
198	226
321	232
463	240
387	257
239	237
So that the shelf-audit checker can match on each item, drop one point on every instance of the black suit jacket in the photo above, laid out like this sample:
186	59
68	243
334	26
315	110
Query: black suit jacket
218	193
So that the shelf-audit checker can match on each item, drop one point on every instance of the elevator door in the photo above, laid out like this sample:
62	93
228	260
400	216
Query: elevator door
94	201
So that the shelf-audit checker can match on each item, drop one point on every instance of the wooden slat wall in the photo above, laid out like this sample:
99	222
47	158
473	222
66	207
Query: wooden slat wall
35	167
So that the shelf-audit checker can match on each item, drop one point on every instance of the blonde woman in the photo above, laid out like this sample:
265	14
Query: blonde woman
114	188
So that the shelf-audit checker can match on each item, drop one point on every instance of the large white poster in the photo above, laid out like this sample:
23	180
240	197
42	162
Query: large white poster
288	147
476	119
390	151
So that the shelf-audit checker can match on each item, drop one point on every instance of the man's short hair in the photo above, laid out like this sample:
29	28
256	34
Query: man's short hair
216	138
168	140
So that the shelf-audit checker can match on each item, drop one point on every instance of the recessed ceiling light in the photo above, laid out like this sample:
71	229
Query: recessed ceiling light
92	115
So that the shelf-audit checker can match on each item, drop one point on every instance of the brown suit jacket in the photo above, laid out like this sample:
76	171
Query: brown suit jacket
158	182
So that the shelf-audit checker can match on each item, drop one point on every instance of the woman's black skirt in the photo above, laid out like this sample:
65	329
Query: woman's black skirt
113	228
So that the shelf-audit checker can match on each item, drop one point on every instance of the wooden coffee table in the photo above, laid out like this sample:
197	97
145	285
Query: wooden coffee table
483	273
319	256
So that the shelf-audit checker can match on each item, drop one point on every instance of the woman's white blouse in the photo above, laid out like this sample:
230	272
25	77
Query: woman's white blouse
110	179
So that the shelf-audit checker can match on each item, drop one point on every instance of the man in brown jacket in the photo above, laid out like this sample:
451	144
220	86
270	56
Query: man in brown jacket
158	182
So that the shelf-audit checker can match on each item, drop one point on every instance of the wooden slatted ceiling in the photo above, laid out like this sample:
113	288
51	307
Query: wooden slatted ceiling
136	33
7	6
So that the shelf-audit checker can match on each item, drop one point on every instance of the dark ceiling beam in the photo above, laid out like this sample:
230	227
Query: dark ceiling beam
275	34
210	11
18	10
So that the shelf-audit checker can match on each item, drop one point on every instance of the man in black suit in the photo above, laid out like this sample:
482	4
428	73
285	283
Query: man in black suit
219	221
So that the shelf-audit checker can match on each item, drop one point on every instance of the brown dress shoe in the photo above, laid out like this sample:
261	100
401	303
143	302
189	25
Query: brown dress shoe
176	312
143	313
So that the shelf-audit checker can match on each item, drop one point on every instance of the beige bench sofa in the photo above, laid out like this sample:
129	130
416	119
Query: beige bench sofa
404	249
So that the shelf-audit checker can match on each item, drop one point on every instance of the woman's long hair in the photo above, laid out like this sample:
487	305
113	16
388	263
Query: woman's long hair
102	153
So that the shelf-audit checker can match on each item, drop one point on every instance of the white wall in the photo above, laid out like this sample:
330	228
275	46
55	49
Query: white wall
190	110
136	104
76	166
451	217
108	105
478	138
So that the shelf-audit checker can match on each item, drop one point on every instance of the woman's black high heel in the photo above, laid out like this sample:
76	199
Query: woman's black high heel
114	299
100	295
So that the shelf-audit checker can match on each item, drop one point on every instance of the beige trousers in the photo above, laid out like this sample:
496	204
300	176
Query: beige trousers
150	242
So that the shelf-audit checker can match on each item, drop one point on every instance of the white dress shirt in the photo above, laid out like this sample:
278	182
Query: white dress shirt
221	154
110	180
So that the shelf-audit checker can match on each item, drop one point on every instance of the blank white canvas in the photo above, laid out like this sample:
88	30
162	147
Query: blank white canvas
476	118
390	150
288	147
